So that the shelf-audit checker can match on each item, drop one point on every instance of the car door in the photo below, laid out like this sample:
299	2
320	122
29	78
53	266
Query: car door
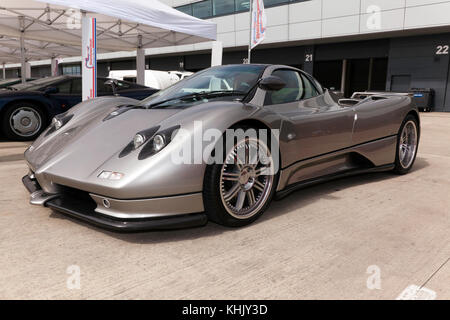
75	91
315	124
65	97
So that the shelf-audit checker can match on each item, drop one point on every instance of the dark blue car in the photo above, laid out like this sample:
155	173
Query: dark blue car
26	109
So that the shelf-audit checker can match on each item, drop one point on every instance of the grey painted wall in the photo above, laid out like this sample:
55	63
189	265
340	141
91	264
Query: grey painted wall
290	55
41	71
169	63
12	73
352	50
416	57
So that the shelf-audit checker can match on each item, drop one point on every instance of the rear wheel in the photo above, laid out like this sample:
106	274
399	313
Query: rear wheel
407	144
237	192
23	121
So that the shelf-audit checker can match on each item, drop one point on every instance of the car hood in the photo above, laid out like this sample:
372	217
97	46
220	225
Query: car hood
95	132
91	142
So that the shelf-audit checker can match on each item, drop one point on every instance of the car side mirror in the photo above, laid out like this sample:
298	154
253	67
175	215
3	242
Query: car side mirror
114	84
272	83
51	90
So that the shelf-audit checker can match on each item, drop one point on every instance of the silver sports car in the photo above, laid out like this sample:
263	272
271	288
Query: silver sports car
219	146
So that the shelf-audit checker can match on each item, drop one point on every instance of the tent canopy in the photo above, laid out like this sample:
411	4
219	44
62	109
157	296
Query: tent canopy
34	50
53	27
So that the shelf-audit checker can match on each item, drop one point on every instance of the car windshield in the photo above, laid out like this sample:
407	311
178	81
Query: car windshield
36	84
231	80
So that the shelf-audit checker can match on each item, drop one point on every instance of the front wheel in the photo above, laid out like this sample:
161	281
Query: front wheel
407	145
23	121
237	192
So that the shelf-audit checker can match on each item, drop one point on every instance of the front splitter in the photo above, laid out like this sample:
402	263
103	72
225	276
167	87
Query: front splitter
85	211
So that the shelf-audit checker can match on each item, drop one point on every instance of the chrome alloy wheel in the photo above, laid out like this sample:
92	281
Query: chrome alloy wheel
246	178
408	144
25	121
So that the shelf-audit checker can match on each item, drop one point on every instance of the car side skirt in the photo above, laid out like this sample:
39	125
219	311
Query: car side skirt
307	183
357	159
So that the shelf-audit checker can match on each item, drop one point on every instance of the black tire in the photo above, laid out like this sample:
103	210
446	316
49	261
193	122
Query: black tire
401	167
12	133
214	206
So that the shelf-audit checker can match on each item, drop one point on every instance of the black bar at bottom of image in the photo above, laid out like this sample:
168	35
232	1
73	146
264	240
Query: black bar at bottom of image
224	309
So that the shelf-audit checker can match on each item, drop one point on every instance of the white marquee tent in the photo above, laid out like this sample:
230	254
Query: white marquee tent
52	28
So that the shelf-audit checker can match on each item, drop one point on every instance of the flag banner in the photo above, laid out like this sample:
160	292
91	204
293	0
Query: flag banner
89	61
259	23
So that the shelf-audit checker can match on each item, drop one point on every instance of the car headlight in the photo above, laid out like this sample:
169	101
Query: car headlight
152	140
158	142
58	122
138	140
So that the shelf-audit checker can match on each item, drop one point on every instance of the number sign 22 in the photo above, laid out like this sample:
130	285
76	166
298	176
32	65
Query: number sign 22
442	49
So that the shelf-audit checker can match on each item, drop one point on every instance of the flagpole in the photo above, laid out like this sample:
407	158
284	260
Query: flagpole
250	37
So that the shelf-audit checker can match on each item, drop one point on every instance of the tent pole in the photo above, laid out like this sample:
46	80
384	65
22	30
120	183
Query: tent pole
216	53
54	66
89	56
250	36
23	74
140	63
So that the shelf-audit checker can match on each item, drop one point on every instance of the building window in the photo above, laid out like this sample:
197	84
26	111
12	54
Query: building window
242	5
202	9
269	3
186	9
221	7
72	70
211	8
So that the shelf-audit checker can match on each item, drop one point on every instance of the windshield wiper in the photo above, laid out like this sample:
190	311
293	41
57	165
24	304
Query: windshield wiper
188	96
201	94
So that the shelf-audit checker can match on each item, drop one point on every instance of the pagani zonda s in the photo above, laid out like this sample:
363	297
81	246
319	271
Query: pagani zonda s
115	162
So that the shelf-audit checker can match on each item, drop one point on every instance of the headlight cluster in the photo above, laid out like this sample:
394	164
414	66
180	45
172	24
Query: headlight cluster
151	140
159	142
58	122
138	140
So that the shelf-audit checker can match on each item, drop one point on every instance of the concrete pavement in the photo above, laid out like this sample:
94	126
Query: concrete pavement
324	242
